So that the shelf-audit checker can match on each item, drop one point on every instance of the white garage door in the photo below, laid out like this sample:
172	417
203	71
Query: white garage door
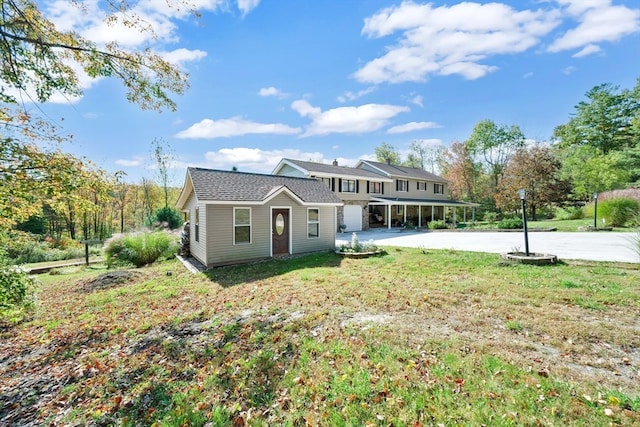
353	217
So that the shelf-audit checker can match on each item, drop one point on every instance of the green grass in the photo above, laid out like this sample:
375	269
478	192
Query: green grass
407	338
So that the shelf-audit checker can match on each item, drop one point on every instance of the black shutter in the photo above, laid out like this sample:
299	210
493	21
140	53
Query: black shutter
340	185
397	184
333	184
418	185
382	187
368	187
357	185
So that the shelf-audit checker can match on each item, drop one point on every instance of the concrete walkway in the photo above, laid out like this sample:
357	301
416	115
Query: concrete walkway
593	246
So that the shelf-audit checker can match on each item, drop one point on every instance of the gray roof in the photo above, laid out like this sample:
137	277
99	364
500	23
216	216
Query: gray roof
228	186
430	202
404	171
325	169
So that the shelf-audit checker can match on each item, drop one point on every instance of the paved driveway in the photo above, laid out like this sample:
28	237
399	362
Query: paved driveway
600	246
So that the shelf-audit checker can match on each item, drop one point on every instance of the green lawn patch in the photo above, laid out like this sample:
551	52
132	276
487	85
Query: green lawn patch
405	338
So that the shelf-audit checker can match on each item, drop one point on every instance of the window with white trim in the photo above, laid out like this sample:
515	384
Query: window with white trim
241	226
348	186
196	234
326	181
375	187
438	188
313	223
402	185
422	186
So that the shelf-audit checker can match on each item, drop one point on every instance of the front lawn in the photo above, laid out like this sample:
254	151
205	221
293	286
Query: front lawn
411	337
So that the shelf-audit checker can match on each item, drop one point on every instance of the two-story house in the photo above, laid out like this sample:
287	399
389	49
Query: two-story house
379	194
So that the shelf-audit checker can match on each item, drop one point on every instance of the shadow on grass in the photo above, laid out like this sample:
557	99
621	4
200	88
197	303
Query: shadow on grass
243	273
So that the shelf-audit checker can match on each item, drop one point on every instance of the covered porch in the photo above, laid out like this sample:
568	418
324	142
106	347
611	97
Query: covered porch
397	212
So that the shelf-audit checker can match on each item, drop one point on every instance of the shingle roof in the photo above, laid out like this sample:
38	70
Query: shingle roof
325	169
404	171
217	185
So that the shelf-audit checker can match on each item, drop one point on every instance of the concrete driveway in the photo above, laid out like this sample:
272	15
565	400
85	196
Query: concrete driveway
599	246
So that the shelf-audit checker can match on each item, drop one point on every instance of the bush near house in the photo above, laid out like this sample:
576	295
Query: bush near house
141	249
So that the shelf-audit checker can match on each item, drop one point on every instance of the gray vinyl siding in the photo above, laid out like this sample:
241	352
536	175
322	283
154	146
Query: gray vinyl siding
198	249
360	195
220	231
291	171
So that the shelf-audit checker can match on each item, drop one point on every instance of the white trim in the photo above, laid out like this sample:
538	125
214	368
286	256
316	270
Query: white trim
243	225
313	222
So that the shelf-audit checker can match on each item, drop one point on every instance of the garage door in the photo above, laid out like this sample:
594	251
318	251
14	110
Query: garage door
353	217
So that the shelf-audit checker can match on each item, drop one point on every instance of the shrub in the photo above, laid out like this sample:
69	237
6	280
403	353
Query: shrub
490	217
166	218
510	223
16	293
570	212
22	248
616	212
141	249
438	225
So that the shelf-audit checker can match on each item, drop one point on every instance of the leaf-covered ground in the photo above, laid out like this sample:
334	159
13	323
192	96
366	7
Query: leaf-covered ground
406	338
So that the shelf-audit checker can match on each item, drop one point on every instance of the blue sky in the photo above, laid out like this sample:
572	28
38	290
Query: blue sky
332	79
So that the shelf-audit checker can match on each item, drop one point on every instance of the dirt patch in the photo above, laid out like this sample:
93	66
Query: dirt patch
109	280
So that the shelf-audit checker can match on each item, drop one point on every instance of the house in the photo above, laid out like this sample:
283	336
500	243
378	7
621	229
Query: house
236	217
380	194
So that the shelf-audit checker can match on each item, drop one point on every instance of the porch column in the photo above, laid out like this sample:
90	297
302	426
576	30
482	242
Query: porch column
473	214
389	217
404	213
464	214
454	215
419	216
432	209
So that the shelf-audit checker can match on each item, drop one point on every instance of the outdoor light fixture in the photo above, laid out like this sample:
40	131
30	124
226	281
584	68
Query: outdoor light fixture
595	210
522	193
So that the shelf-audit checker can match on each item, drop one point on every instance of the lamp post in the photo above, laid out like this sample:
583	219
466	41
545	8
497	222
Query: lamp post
523	194
595	210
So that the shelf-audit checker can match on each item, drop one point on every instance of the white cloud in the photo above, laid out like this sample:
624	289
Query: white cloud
417	100
351	96
589	49
182	55
272	91
235	126
130	163
255	159
412	126
598	21
450	39
347	120
569	70
247	6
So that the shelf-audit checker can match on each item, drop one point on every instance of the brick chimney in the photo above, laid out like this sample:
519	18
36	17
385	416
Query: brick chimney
335	162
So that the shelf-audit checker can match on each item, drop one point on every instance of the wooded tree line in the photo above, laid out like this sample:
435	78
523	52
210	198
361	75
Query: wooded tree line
597	150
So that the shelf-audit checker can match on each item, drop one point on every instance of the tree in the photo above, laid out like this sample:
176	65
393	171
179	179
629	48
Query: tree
463	173
386	153
38	60
608	121
537	170
163	160
591	171
423	155
495	144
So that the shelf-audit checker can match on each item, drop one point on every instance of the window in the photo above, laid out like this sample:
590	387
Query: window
375	187
313	223
402	185
438	188
241	225
327	181
348	186
400	209
422	186
196	234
